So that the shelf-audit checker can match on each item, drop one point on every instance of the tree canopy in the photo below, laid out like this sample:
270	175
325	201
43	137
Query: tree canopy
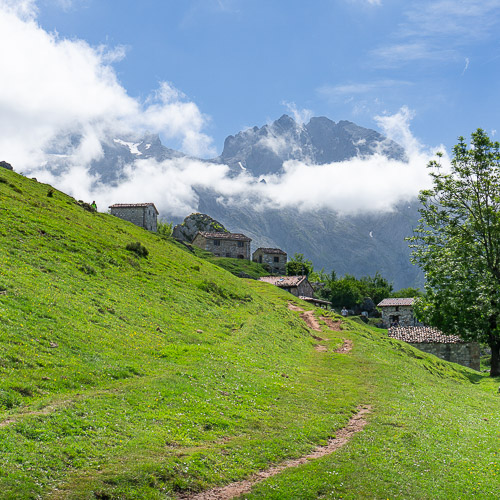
298	265
457	245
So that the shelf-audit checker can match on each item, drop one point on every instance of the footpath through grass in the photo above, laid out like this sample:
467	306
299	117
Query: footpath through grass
130	377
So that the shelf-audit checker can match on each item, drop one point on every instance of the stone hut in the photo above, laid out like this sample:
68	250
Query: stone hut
233	245
296	285
141	214
398	311
273	258
448	347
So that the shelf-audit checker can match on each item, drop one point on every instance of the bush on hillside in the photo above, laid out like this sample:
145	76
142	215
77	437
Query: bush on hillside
137	248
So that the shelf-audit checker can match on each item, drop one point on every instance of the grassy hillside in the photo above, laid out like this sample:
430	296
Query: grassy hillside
124	376
238	267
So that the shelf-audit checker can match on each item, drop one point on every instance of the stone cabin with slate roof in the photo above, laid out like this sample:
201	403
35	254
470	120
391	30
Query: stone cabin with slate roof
234	245
448	347
296	285
398	311
273	258
141	214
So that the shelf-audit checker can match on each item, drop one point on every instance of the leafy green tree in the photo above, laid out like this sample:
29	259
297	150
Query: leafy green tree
298	266
409	292
457	245
376	287
164	229
346	291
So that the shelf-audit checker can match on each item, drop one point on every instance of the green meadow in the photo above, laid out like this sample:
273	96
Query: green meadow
125	376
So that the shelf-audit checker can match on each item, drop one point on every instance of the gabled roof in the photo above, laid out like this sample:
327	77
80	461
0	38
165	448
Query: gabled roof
315	301
271	250
284	281
134	205
396	302
224	236
422	335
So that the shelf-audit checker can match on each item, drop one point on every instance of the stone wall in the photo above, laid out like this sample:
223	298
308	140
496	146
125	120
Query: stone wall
224	247
140	216
276	262
405	314
465	354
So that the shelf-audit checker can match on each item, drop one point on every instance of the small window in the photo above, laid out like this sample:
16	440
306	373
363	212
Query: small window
241	256
260	259
276	259
228	254
216	243
240	244
397	308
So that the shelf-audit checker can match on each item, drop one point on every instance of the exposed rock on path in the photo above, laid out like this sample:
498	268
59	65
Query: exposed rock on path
233	490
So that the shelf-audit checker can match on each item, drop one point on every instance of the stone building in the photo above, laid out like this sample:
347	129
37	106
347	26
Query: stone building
274	258
398	311
448	347
141	214
296	285
233	245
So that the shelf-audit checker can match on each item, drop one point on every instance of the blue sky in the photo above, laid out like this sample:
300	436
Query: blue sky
244	63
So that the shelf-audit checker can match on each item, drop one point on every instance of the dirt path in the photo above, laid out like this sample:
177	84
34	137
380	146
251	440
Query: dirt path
312	322
355	424
307	316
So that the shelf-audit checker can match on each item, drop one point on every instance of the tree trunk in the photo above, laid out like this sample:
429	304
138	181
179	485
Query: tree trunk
495	359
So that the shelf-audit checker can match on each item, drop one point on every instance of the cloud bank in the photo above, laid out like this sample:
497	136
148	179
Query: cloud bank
57	89
54	87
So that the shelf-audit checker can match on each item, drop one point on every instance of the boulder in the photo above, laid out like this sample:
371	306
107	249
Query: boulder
187	230
4	164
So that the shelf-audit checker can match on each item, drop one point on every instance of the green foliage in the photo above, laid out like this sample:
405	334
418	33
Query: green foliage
457	245
164	229
298	265
50	193
409	292
138	248
351	292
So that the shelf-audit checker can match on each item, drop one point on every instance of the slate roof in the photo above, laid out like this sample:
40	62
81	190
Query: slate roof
396	302
224	236
422	335
284	281
271	250
134	205
314	300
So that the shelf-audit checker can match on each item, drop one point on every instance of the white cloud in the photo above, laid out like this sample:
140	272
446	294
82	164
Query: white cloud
372	183
466	67
342	90
301	116
436	30
57	87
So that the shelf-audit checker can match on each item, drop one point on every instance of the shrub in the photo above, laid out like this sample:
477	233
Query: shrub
9	399
164	229
88	269
137	248
50	193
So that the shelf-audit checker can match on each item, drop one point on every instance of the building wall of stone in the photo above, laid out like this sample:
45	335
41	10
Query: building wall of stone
303	290
268	259
463	354
225	248
405	314
140	216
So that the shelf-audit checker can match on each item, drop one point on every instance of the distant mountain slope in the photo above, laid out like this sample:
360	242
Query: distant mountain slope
263	150
329	240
